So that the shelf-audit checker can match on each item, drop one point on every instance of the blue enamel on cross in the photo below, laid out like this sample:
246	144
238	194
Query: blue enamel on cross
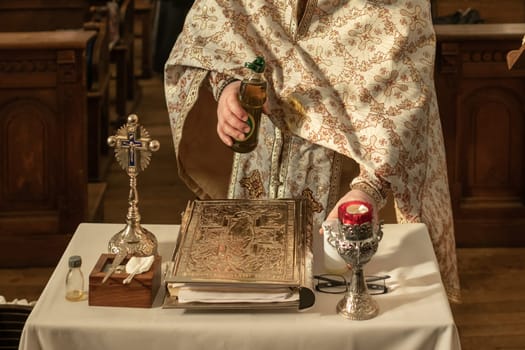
133	146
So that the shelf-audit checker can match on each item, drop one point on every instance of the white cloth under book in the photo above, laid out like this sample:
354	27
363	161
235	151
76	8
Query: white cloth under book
218	294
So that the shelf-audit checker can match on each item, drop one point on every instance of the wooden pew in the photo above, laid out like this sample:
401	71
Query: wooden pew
144	14
122	55
99	121
482	106
43	143
126	44
34	15
501	11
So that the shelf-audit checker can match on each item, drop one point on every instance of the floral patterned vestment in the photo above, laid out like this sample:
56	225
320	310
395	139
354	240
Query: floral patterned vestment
352	76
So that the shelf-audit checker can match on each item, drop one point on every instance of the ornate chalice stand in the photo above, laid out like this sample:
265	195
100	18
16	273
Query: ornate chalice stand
356	241
133	147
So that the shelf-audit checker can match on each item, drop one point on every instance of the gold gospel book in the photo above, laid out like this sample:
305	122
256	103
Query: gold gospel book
238	253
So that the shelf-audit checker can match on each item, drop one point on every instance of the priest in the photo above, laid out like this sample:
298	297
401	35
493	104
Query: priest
346	79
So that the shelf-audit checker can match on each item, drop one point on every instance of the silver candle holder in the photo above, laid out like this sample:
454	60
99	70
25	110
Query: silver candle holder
357	241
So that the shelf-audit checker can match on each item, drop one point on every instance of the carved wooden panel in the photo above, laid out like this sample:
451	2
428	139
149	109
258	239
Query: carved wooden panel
28	134
491	142
482	107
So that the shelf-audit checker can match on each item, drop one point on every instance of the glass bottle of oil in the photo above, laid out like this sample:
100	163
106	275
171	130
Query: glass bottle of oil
252	95
75	279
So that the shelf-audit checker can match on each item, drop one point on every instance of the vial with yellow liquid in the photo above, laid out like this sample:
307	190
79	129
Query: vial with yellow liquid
75	280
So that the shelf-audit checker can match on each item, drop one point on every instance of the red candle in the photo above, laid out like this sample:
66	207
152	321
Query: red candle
355	213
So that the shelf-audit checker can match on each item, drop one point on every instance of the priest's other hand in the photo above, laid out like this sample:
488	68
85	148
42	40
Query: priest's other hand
352	195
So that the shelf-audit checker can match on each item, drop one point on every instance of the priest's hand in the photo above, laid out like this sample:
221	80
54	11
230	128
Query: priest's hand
231	117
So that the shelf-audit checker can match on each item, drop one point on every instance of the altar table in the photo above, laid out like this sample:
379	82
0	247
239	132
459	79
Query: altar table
414	314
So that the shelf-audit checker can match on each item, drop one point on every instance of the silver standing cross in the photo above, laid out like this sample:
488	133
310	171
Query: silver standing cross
133	148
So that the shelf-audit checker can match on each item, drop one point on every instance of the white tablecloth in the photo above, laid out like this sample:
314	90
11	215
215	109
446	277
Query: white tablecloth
415	314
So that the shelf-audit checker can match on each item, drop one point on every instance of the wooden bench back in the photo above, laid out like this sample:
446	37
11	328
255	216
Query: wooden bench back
501	11
41	15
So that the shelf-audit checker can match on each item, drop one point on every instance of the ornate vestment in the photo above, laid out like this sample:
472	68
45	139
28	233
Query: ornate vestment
352	77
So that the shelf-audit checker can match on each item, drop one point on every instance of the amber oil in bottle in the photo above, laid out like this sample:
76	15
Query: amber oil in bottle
252	95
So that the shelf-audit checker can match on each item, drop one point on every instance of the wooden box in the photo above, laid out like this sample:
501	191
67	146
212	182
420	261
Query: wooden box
140	292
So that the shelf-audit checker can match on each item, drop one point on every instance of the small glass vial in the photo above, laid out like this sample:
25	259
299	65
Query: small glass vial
75	279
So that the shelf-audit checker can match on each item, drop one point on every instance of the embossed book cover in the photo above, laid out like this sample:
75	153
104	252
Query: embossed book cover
233	252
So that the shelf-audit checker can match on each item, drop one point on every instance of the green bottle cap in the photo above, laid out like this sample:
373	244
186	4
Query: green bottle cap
75	261
257	65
